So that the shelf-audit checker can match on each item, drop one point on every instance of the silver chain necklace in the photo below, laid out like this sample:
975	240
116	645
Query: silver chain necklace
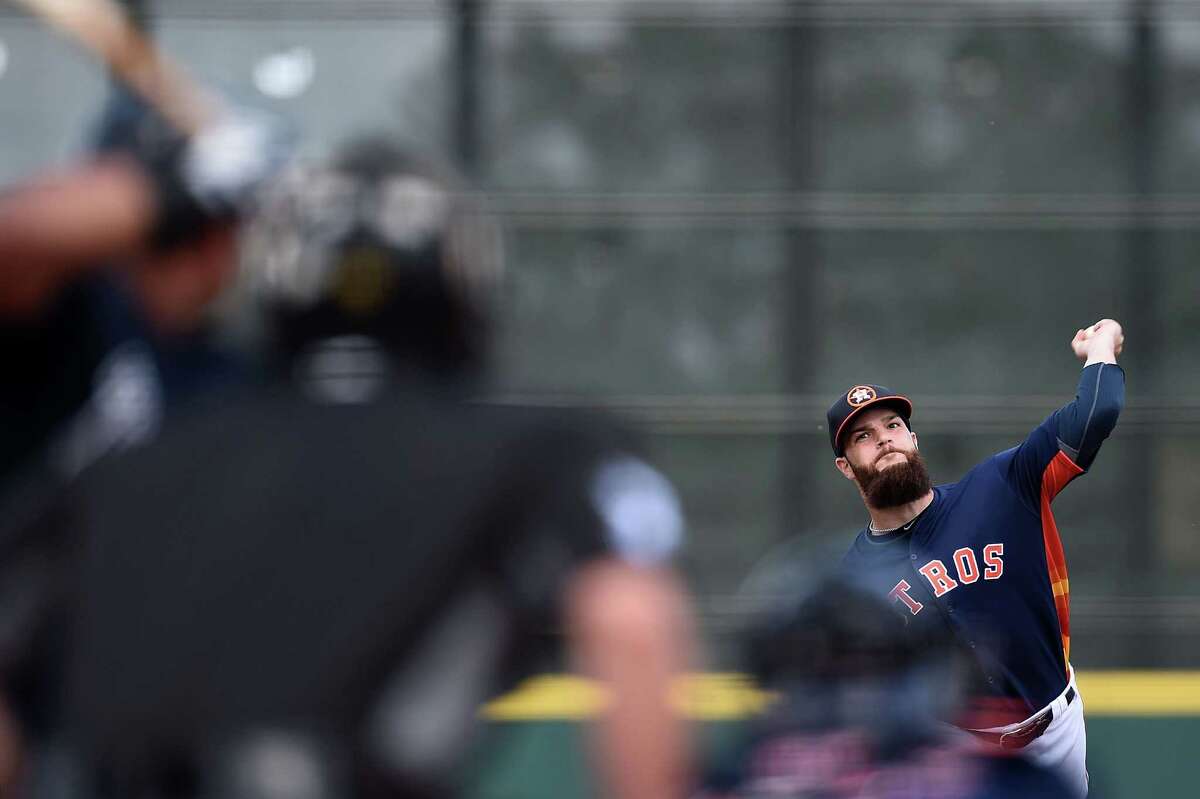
905	526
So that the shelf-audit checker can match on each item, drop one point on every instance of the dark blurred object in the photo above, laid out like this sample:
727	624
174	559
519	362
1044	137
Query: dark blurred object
380	244
836	633
861	710
307	588
841	658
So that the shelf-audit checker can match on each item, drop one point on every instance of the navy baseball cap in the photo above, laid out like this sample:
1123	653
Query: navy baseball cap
858	399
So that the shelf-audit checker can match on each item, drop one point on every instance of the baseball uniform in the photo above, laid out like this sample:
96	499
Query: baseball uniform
984	563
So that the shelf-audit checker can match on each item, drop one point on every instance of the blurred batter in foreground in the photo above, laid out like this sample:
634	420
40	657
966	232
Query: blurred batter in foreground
307	589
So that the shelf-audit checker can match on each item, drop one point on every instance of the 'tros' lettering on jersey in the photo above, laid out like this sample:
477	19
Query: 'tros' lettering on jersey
965	565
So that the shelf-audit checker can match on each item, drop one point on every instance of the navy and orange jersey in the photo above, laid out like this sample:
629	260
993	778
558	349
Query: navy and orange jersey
984	561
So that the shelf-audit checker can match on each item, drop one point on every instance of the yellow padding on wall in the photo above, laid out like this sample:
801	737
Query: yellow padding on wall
548	696
727	696
1140	693
709	697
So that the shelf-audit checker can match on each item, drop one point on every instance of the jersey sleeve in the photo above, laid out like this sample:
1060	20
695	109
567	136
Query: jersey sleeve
639	515
586	496
1066	443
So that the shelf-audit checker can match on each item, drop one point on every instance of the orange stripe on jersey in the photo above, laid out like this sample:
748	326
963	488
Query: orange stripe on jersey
1060	471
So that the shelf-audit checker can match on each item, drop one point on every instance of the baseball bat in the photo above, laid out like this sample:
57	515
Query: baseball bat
103	27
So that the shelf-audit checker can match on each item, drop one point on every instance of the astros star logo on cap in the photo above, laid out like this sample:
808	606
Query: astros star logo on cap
860	394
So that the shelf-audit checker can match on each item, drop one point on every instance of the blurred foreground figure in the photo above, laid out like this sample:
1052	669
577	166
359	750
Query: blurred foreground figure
307	590
107	270
861	712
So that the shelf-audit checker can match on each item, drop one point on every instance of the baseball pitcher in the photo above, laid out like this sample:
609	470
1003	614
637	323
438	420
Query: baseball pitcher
980	560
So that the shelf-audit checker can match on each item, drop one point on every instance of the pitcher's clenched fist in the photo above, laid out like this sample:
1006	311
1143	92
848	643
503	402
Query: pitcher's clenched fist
1099	343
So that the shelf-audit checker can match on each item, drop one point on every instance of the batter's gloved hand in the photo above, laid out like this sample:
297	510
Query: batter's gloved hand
216	174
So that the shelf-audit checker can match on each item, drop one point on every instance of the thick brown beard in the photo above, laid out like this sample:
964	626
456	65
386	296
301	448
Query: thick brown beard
896	485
